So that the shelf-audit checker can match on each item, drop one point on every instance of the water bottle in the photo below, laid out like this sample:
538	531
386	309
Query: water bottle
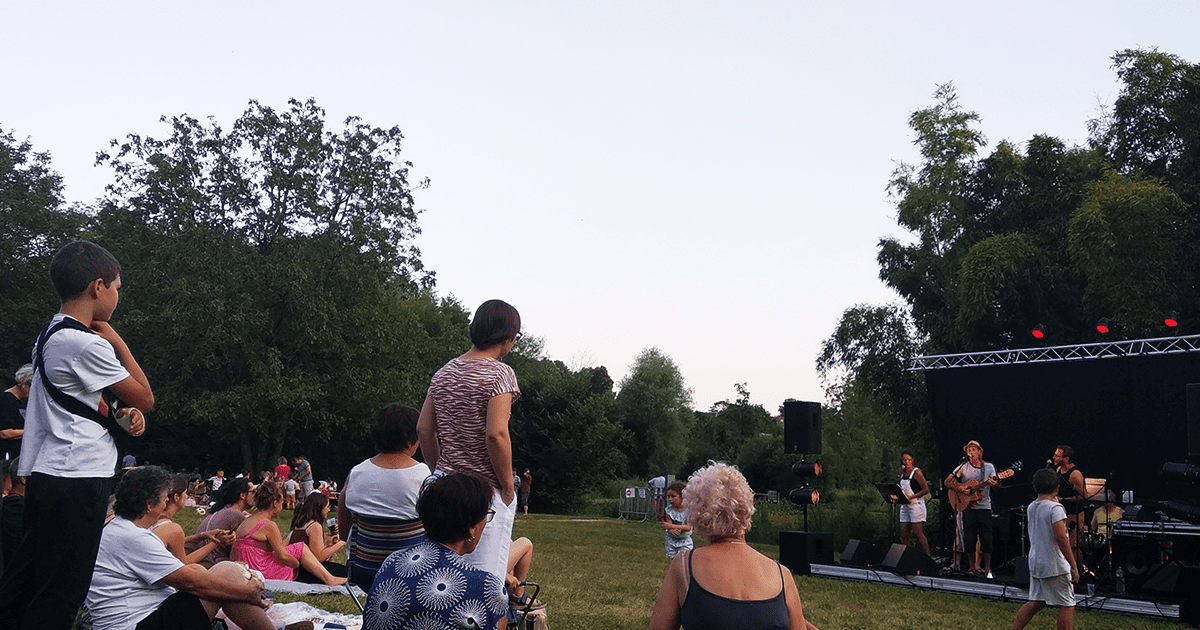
1120	581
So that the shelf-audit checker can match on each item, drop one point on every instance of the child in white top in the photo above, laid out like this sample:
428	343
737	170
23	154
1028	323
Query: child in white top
1052	569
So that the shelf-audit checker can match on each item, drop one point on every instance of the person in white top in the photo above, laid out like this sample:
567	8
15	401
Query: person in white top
140	584
377	511
1052	567
82	370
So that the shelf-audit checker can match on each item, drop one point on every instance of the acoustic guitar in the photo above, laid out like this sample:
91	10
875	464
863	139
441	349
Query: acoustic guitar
972	491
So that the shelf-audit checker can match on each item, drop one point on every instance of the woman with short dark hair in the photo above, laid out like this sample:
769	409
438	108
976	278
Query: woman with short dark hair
377	510
429	585
464	423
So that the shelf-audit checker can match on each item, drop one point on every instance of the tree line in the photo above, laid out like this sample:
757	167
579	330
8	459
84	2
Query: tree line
273	291
1033	233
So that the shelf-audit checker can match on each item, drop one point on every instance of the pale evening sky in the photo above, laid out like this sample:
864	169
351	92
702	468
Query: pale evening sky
704	177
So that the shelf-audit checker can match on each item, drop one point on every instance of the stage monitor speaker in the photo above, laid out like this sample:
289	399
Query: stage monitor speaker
1021	571
909	561
801	427
1193	420
799	550
860	553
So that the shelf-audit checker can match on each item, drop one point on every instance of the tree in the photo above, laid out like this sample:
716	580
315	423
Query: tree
720	433
561	429
34	223
653	405
272	286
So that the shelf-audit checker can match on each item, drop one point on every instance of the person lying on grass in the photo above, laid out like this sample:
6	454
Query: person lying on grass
726	585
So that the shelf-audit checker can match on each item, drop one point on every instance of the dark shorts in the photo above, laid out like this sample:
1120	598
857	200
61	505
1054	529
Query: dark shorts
181	611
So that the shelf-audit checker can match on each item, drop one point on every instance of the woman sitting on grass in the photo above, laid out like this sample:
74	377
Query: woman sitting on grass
202	543
260	545
377	511
430	585
727	584
308	526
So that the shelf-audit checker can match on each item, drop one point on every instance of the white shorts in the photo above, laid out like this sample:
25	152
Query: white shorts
1055	590
491	554
913	512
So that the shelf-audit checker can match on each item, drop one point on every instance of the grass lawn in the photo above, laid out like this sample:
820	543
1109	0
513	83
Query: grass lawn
603	574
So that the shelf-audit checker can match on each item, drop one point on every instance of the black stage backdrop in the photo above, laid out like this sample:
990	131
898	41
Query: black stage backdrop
1125	417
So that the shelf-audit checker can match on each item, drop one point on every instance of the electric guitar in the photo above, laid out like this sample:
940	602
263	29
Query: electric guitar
972	491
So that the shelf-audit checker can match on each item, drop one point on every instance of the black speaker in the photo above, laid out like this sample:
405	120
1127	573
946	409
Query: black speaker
909	561
1021	571
860	553
798	550
801	427
1193	419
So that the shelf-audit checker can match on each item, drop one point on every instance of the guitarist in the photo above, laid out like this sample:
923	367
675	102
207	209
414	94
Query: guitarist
977	477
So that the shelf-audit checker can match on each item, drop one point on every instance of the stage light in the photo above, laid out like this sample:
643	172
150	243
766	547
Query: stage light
1171	319
1173	470
804	496
1038	331
807	469
1102	325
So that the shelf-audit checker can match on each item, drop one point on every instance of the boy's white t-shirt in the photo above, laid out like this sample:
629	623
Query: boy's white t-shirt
57	442
1045	558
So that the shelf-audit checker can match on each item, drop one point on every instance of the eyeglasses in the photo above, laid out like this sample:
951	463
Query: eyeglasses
491	513
519	335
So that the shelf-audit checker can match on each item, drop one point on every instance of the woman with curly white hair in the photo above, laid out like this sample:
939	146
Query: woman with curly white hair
725	585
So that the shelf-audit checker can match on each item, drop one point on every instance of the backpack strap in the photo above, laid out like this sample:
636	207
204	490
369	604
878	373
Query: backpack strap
73	405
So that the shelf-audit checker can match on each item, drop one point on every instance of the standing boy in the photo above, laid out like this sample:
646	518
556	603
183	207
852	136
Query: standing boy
1052	568
68	455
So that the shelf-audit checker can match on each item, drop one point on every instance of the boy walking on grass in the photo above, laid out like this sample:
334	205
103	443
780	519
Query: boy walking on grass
86	387
1052	569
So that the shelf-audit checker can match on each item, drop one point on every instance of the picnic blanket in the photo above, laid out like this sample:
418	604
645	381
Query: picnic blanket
283	614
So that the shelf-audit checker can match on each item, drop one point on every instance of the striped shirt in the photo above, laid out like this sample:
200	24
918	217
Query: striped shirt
460	392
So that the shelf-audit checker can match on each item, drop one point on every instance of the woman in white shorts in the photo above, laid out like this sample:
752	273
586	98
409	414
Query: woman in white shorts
912	516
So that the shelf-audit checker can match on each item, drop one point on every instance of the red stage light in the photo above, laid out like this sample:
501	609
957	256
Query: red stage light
1038	331
1171	319
1102	325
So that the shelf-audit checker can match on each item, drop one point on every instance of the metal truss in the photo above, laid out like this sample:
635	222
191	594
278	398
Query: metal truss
1102	350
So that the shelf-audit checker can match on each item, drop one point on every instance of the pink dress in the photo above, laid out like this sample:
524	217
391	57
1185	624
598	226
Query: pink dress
259	556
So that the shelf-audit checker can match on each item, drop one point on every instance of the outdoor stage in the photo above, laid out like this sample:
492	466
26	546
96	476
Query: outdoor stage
993	589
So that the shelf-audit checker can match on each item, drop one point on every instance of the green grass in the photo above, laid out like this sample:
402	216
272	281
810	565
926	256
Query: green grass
603	574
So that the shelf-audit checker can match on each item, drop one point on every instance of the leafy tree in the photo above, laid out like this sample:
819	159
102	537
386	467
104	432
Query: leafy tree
1153	128
561	428
273	292
653	405
34	223
720	433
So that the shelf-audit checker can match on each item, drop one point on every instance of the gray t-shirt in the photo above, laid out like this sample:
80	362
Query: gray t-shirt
1045	558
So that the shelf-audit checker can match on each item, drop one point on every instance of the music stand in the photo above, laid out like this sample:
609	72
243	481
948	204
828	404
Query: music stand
892	494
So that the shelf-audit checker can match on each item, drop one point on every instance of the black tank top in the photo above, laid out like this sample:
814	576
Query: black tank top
1067	491
703	610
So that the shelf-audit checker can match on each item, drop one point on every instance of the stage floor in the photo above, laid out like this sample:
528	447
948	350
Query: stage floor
993	589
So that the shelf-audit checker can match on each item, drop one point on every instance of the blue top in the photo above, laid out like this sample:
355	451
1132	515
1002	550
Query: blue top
429	586
703	610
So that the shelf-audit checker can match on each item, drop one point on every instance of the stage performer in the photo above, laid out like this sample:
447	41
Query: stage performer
975	479
915	488
1072	494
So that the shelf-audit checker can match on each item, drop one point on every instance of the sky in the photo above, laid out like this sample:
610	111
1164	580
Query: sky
707	178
